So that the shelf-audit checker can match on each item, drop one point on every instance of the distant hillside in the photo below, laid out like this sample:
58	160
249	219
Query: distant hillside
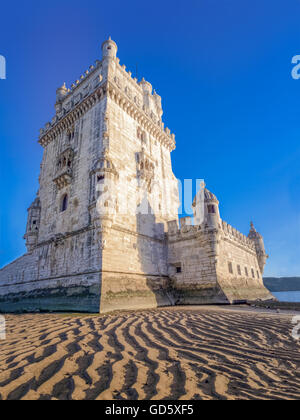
282	284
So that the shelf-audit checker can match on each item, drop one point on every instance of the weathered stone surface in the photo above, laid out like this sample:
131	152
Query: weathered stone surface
102	233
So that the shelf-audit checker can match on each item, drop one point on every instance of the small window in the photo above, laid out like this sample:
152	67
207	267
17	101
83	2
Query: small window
246	271
100	178
211	209
252	272
64	203
178	269
230	269
257	274
239	270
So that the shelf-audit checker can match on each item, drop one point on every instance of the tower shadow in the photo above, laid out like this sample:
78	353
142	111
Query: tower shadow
153	253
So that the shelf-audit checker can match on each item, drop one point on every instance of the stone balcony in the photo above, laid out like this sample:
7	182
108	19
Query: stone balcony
64	172
64	178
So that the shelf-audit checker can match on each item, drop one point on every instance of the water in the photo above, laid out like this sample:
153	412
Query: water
287	296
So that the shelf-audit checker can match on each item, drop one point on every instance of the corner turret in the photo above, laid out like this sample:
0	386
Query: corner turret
60	95
206	208
259	246
109	49
33	224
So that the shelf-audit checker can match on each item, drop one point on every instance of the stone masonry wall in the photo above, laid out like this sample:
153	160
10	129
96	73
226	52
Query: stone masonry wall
238	271
61	275
190	251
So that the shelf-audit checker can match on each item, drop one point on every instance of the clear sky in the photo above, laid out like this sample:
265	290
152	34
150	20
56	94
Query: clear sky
223	69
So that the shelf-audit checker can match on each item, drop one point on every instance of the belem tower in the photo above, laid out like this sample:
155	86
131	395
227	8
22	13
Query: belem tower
86	249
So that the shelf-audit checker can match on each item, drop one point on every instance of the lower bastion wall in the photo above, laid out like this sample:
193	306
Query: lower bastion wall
192	266
122	269
64	274
134	272
214	266
237	268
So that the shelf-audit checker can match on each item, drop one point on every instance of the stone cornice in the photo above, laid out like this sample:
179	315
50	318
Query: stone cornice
155	129
136	234
107	88
73	115
61	237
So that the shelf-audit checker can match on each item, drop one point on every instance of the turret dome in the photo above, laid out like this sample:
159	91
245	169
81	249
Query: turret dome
208	197
109	48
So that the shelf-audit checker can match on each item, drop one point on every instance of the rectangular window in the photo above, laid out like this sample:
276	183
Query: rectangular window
211	209
230	269
178	269
258	275
246	271
239	270
252	272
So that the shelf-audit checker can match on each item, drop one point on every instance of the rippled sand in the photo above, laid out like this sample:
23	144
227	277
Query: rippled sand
173	353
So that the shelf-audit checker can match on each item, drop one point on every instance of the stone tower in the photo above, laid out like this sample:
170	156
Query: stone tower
103	232
96	231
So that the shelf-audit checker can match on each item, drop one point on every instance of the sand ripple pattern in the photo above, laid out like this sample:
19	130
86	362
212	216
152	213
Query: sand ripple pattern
175	353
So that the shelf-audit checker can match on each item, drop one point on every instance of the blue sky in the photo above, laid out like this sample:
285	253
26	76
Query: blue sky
223	69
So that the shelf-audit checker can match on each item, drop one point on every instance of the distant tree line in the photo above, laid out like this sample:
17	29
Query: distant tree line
282	284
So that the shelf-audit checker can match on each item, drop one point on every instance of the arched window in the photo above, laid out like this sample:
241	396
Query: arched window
64	203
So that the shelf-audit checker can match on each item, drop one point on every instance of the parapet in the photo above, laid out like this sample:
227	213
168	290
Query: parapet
233	234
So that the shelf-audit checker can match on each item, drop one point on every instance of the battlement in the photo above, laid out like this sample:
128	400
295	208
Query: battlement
84	92
231	233
187	229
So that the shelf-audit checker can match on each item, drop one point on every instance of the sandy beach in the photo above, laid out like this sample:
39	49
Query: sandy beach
173	353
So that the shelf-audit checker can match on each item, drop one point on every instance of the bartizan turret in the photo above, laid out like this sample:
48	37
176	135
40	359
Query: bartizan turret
206	214
206	209
109	58
61	93
109	49
33	224
259	246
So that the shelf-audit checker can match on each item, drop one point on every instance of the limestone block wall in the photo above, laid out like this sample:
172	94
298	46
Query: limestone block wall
125	148
214	266
64	274
87	147
134	270
192	266
135	273
238	271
